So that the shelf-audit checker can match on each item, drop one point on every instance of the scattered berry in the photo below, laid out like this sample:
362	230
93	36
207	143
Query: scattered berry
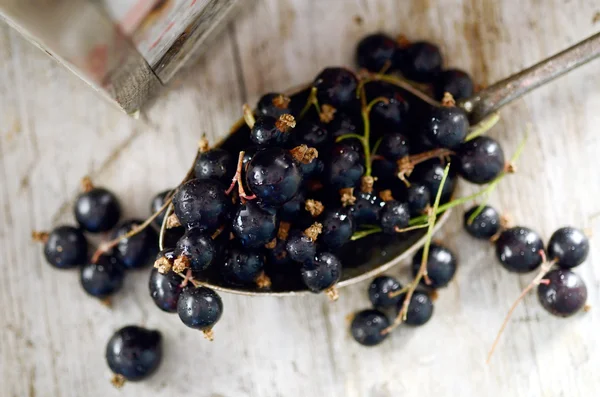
518	249
65	247
564	295
420	309
485	225
103	278
137	251
376	52
217	164
380	289
134	352
367	327
96	209
441	265
569	247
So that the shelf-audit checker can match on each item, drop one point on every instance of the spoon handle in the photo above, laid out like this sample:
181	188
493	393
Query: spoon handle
513	87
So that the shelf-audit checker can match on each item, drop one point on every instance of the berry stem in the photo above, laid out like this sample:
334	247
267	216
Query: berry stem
237	179
348	136
310	101
248	115
364	233
422	273
365	140
483	126
537	280
376	148
407	164
402	83
163	228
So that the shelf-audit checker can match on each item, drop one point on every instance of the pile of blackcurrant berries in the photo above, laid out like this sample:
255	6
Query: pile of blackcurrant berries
275	206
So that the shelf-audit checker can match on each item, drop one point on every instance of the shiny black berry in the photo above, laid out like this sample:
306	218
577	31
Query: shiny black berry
199	307
66	247
97	210
420	309
344	123
390	114
323	272
198	248
367	327
103	278
344	168
569	247
418	198
564	295
294	208
157	202
242	266
274	176
380	289
137	251
394	216
485	224
394	146
366	209
481	160
311	134
376	51
271	131
338	227
273	104
441	265
255	226
202	203
456	82
518	249
336	87
165	289
215	164
430	175
134	352
445	127
420	61
302	245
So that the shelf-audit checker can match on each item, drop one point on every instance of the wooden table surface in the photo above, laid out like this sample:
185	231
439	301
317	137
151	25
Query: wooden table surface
54	130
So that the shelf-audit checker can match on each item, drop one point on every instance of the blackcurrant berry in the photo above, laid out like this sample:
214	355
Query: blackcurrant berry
564	295
322	272
380	289
157	202
344	168
274	176
418	198
394	146
103	278
430	175
248	154
311	134
518	249
271	131
367	327
255	226
134	352
338	227
394	216
375	52
420	61
481	160
344	123
277	256
198	249
199	307
137	251
569	247
445	126
215	164
202	203
242	266
165	290
171	236
290	211
301	245
420	309
273	105
456	82
366	209
336	87
66	247
441	265
485	225
97	209
390	114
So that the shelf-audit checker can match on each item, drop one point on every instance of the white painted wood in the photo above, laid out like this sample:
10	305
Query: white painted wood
53	130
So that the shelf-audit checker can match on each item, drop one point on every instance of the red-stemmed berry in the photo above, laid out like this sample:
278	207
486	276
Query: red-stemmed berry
568	247
518	249
367	326
441	265
563	294
380	289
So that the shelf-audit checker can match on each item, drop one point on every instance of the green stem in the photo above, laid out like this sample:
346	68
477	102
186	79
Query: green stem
348	136
364	233
310	101
365	140
483	126
376	146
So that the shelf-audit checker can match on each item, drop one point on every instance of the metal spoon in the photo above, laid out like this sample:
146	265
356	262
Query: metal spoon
373	255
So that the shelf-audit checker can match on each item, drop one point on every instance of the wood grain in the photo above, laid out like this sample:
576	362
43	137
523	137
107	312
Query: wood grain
53	130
